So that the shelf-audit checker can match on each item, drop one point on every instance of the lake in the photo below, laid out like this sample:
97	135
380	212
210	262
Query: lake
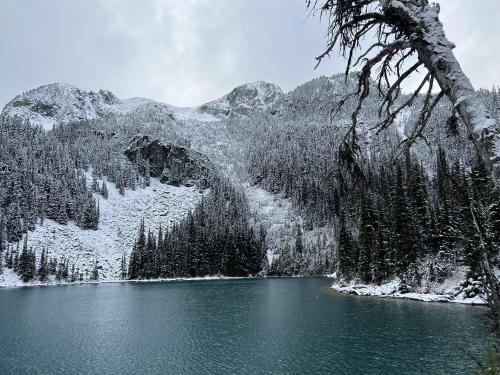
247	326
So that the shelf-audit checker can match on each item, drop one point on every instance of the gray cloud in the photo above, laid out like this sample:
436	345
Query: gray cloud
191	51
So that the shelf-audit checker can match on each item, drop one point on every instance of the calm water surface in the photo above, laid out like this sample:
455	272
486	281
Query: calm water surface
268	326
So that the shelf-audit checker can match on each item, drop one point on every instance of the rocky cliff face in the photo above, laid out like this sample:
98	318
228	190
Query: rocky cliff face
172	164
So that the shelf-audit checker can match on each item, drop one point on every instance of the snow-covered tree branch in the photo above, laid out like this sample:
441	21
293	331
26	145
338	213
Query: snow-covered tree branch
405	30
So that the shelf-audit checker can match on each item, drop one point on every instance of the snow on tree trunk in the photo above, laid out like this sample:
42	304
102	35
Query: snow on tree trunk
420	20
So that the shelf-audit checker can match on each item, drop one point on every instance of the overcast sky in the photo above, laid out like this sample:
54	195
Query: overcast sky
186	52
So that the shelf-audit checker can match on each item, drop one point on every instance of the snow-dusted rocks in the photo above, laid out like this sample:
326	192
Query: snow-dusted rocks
245	100
174	165
60	102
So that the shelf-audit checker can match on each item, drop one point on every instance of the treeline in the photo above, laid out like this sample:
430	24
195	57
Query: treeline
215	239
23	261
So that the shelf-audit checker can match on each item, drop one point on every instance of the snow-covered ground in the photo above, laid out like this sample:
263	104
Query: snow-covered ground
275	214
448	291
120	216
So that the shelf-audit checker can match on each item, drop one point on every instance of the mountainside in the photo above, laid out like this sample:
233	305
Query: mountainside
159	205
136	159
58	103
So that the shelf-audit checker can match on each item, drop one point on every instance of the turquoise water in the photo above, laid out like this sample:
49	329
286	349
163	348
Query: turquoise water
264	326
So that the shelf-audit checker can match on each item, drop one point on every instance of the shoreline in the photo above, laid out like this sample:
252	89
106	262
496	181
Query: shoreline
160	280
362	290
119	281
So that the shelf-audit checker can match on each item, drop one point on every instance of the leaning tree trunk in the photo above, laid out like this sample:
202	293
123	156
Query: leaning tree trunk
420	22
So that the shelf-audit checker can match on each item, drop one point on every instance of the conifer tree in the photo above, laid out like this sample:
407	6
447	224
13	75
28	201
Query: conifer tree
43	268
74	274
367	240
95	184
345	249
95	273
494	218
299	245
123	267
147	174
133	266
15	263
402	245
65	270
379	257
104	190
23	259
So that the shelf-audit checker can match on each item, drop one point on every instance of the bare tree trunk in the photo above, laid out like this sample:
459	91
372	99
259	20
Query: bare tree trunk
421	22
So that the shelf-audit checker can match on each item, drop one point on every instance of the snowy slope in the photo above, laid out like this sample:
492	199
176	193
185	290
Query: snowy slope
275	214
120	216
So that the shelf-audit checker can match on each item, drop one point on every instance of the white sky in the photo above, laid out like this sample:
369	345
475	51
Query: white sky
187	52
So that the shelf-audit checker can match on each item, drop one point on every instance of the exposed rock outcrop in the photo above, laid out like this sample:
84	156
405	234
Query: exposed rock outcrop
172	164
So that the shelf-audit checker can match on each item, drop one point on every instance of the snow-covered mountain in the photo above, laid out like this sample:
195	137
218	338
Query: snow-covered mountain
61	102
256	124
55	103
160	204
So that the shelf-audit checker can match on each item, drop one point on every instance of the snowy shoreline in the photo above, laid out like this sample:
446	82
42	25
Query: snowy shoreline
370	291
390	290
161	280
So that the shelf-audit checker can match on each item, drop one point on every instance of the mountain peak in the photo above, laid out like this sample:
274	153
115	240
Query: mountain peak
245	99
59	102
